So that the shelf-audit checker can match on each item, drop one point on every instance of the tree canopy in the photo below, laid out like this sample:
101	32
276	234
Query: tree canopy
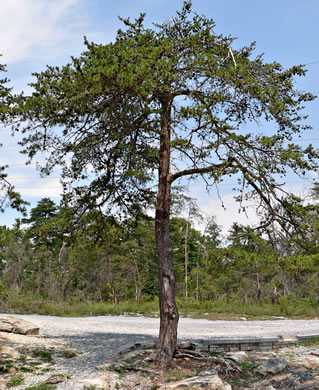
175	100
8	196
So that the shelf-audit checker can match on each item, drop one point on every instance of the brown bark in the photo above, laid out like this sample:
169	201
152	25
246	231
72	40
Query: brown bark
186	259
274	296
63	265
167	340
258	287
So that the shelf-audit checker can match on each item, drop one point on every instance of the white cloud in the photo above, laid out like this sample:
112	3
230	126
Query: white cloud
37	187
211	205
39	29
226	216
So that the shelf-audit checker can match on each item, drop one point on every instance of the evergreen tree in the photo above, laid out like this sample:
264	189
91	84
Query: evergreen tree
8	195
126	110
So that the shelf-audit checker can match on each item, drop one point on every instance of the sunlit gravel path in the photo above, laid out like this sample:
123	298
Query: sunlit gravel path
98	338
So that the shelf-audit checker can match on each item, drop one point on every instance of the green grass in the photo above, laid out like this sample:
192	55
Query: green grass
42	354
5	366
247	365
214	310
96	308
187	307
311	342
15	380
41	386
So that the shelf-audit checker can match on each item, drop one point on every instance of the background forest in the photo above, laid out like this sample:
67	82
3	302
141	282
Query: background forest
56	256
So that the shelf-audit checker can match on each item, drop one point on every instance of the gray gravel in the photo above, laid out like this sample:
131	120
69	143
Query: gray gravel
98	338
119	331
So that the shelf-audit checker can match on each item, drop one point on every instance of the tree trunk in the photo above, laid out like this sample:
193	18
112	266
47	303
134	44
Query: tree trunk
186	259
63	262
197	272
258	287
167	340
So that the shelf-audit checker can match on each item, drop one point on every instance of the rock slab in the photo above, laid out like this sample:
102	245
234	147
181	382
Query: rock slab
18	326
108	381
272	366
212	382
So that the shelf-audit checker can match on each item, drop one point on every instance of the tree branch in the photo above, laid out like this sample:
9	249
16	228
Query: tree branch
194	171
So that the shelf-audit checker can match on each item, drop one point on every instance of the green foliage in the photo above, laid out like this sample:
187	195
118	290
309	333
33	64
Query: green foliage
43	354
107	118
5	365
41	386
247	365
8	196
110	105
15	380
107	262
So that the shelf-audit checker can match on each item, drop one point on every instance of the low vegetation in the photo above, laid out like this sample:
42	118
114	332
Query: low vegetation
51	265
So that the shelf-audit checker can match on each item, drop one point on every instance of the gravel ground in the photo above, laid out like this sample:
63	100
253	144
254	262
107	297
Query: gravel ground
98	338
131	329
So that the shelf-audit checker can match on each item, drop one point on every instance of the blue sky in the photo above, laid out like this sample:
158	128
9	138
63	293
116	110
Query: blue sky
34	33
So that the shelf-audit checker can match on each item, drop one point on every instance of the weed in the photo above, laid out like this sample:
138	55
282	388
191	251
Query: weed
313	341
5	366
43	354
34	364
199	369
41	386
247	365
25	369
176	375
55	378
15	380
120	369
22	359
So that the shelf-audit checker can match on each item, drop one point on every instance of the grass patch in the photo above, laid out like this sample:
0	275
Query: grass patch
42	354
176	375
15	380
41	386
235	310
187	307
26	369
5	366
247	365
96	309
309	343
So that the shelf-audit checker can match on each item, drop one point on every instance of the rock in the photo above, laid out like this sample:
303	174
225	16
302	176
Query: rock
310	385
5	326
212	382
3	385
282	378
55	379
68	353
17	325
107	381
186	345
236	356
145	345
272	366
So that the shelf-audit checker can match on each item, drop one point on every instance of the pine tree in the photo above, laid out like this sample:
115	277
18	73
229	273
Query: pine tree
124	111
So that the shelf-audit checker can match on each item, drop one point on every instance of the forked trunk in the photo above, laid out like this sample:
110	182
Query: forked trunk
166	344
